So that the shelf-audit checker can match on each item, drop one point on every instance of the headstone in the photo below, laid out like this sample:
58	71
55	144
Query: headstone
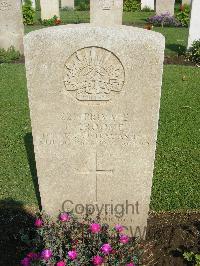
49	9
67	3
194	31
11	25
33	4
106	12
94	96
186	2
165	6
147	3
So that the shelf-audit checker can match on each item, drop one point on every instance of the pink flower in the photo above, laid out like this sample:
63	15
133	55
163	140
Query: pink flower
25	262
32	256
46	254
95	228
72	254
64	217
119	228
97	260
61	263
124	239
38	223
130	264
106	249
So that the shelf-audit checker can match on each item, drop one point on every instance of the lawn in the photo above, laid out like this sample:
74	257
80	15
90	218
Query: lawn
176	184
176	38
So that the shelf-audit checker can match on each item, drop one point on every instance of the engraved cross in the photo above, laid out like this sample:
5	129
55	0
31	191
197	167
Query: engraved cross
98	171
101	171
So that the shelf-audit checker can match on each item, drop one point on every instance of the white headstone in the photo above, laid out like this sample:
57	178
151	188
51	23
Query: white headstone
147	3
194	31
33	4
165	6
49	9
67	3
106	12
11	25
94	96
186	2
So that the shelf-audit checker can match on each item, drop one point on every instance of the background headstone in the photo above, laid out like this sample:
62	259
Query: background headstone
106	12
33	4
186	2
194	31
165	6
147	3
67	3
94	96
11	25
49	9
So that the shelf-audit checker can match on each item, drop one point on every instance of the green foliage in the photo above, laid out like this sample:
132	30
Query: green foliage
51	22
184	15
27	2
62	236
28	13
131	5
66	8
193	54
83	5
146	9
9	55
37	3
192	257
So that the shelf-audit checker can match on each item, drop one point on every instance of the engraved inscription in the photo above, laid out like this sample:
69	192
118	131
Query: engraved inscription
93	74
106	4
4	6
91	128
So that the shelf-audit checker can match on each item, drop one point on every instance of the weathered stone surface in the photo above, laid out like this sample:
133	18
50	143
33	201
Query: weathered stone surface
194	31
49	9
11	25
147	3
186	2
67	3
165	6
106	12
94	95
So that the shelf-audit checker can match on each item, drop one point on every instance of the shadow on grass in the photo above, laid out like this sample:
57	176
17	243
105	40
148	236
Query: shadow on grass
15	221
178	48
28	141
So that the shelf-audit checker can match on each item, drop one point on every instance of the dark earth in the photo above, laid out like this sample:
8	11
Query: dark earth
168	235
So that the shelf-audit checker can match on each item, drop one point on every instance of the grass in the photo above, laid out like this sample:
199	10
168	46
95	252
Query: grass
15	175
176	178
176	38
176	184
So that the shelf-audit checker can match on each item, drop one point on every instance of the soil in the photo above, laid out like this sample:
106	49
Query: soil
177	60
171	234
168	236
